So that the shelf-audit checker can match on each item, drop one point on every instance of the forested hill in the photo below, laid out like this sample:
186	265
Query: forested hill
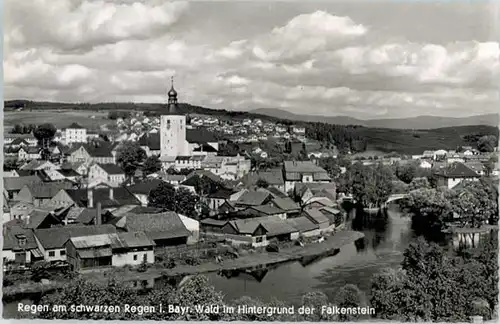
346	137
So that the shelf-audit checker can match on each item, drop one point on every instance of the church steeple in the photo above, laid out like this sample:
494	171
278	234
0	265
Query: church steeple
172	98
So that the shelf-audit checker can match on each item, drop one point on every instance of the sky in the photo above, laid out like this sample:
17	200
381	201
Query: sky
364	59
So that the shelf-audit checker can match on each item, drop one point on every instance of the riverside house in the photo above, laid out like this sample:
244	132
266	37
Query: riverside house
165	229
19	246
454	174
111	249
303	171
51	241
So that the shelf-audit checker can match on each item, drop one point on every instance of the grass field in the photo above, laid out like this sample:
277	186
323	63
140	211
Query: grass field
58	118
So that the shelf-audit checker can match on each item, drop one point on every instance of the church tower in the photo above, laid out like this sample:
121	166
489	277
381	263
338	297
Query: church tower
173	128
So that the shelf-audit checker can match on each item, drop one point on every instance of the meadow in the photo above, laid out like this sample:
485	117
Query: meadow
60	118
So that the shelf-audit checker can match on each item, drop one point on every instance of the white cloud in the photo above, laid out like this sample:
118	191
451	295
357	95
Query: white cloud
306	34
314	63
72	25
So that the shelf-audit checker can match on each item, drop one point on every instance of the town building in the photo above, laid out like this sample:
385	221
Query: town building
74	133
107	250
454	174
110	174
173	129
303	171
52	241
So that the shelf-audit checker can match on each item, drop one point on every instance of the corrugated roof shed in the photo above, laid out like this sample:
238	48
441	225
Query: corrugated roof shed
164	225
52	238
16	183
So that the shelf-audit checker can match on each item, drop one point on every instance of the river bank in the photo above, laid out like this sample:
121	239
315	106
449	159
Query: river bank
248	262
253	261
264	259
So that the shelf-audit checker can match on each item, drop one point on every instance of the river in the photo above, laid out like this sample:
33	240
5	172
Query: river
382	246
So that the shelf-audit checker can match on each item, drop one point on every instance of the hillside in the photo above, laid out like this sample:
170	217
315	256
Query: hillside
420	122
345	136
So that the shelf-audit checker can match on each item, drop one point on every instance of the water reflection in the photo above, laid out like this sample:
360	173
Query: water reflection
385	240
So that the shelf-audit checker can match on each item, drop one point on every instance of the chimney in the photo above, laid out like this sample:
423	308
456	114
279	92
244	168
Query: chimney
111	194
98	216
90	198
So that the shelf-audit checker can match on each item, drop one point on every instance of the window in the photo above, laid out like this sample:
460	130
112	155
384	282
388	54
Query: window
62	252
258	239
52	253
145	257
135	257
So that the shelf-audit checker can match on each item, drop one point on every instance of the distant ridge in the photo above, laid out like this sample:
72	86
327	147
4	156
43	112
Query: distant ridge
420	122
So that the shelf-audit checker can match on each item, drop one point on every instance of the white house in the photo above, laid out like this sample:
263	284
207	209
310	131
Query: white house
424	164
74	133
454	174
51	241
110	174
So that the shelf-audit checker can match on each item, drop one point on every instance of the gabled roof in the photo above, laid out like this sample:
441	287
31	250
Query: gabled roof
75	126
55	237
38	216
222	193
16	183
286	204
199	135
253	198
113	240
315	215
302	167
268	209
164	225
144	187
47	190
102	150
302	224
152	141
11	237
458	170
205	148
272	177
69	173
275	192
35	165
193	177
121	196
112	169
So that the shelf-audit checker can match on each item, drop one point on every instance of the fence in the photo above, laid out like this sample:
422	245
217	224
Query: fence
201	249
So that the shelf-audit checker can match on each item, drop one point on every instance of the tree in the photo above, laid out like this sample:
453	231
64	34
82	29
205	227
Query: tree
433	285
186	202
162	196
430	208
331	166
406	172
317	299
487	143
419	183
371	185
45	133
88	292
399	187
262	183
490	164
152	165
476	202
181	201
130	156
388	293
349	296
